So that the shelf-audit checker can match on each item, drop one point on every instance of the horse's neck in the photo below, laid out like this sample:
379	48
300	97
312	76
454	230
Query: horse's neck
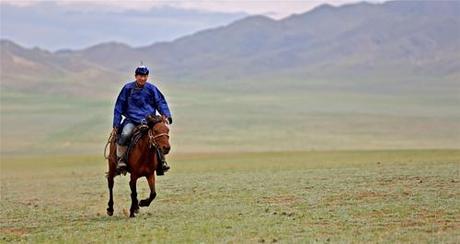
145	151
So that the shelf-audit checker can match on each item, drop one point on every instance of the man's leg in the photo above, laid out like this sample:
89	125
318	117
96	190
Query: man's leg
122	146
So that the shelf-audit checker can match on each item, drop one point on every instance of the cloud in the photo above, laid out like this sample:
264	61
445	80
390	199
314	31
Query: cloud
56	26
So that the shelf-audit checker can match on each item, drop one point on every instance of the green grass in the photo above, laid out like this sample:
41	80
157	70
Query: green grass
299	117
276	188
338	196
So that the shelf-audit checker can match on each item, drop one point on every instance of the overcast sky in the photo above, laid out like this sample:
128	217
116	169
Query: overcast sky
77	24
275	9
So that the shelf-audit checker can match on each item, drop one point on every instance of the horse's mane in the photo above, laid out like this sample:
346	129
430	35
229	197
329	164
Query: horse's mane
152	120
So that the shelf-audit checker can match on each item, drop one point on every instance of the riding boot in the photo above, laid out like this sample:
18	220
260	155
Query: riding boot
163	167
121	162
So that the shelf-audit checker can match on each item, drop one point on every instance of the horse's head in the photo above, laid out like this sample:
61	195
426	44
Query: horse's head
159	132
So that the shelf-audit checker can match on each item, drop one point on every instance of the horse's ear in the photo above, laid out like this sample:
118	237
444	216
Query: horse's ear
150	120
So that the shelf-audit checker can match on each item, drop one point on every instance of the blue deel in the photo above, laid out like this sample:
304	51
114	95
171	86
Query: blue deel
135	103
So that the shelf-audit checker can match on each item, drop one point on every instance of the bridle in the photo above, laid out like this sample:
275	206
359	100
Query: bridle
152	138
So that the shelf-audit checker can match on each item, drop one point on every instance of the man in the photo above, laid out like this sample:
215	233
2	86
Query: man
137	100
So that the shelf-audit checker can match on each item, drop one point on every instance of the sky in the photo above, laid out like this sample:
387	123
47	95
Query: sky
69	24
275	9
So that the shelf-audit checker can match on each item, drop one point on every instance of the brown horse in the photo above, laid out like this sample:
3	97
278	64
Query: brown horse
142	161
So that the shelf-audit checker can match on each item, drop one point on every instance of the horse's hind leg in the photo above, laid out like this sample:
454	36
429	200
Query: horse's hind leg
146	202
110	182
134	202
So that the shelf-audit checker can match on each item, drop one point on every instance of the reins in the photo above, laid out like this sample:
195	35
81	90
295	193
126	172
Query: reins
153	137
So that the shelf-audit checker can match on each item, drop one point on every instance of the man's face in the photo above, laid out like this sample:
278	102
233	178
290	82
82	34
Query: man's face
141	79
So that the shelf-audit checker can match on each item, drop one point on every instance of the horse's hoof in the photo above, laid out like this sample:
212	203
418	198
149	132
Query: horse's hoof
109	212
132	215
143	203
136	210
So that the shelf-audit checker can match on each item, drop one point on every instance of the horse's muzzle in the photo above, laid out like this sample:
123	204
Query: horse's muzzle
166	150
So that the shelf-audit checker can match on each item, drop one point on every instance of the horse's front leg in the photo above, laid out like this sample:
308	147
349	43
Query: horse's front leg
146	202
134	203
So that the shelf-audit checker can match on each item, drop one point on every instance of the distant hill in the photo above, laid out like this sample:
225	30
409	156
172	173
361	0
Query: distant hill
409	39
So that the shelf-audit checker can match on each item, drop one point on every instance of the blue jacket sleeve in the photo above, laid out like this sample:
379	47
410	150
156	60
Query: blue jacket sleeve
161	104
120	106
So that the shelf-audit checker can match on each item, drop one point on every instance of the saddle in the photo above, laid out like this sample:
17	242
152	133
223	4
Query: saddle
138	132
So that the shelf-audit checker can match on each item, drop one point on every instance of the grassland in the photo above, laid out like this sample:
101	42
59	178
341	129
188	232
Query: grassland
278	161
337	196
276	116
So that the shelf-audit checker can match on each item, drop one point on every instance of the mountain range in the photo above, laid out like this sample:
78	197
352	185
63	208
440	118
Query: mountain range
406	40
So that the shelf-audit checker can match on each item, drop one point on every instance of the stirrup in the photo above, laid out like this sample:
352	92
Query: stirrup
165	166
123	168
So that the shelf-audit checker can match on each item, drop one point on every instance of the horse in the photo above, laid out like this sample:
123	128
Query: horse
142	159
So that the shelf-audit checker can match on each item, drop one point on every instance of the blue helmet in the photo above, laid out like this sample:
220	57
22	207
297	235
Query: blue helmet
142	70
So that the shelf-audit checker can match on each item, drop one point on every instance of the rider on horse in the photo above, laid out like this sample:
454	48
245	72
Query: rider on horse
136	101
